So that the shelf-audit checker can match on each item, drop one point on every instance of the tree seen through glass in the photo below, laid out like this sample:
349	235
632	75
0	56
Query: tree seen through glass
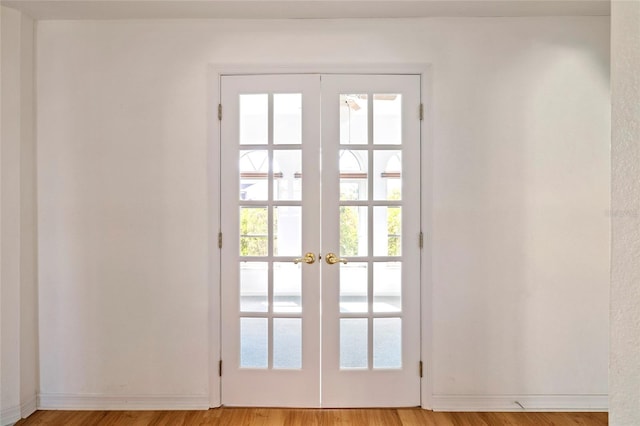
349	228
254	226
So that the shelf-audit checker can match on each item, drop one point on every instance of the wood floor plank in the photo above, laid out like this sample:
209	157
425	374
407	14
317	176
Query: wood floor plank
227	416
414	417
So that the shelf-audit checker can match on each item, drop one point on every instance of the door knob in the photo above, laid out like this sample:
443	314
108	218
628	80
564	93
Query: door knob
333	259
308	258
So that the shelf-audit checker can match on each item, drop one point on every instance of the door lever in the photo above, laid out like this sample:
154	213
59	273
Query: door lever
333	259
308	258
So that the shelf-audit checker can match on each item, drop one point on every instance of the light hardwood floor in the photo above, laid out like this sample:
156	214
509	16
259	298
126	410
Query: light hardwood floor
308	417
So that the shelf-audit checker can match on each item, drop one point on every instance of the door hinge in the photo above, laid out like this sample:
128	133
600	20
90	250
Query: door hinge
421	239
419	368
421	112
220	112
220	368
219	239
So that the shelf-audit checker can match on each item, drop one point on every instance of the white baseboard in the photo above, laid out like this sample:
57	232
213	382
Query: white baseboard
29	406
59	401
559	403
10	415
440	403
13	414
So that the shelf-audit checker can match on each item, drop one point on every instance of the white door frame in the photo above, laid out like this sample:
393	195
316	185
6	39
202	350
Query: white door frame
215	72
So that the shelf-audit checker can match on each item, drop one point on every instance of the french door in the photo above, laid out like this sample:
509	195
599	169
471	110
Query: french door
320	264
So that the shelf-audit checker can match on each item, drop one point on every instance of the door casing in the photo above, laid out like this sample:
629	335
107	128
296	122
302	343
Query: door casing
215	72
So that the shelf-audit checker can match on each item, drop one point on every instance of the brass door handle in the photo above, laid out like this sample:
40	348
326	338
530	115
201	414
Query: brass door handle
333	259
308	258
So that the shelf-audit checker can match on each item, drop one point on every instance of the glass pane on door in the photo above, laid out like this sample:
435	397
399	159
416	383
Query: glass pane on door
271	230
354	284
287	343
387	343
366	243
253	343
353	343
254	119
287	118
354	112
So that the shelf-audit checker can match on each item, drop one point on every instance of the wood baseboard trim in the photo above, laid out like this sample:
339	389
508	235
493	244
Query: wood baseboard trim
521	403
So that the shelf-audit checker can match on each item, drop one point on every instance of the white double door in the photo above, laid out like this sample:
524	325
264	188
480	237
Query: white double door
321	221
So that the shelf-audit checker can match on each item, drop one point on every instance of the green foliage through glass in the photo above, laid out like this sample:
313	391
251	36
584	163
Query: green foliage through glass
253	231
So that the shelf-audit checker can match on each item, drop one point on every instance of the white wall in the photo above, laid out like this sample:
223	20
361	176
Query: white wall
625	206
19	365
10	219
28	237
520	233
